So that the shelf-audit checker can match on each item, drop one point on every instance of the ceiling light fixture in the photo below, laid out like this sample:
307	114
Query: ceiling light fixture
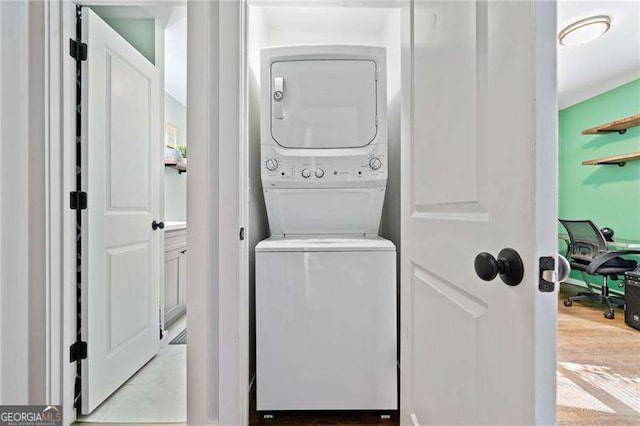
584	31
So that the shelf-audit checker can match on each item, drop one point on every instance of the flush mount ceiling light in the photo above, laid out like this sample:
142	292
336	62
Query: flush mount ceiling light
584	31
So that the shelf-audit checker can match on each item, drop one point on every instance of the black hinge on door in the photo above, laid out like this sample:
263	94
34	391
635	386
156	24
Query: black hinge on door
242	234
77	200
78	351
77	50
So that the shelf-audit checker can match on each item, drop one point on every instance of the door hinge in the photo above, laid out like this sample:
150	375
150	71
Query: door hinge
546	279
77	50
78	351
242	234
78	200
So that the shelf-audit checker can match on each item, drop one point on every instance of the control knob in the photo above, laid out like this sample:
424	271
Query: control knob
271	164
306	173
319	173
375	163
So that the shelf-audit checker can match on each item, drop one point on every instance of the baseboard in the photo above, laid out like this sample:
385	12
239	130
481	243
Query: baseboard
580	283
574	281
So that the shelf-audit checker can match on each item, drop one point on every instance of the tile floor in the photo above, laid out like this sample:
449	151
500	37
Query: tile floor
157	393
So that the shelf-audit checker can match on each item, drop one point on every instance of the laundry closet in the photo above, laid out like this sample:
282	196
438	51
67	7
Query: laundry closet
324	205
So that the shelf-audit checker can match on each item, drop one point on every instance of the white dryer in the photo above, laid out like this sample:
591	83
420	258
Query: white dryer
325	280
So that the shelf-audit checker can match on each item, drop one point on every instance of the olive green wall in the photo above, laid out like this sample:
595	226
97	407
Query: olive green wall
609	195
139	32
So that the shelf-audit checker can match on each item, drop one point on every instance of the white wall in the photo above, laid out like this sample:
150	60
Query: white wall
298	26
258	226
390	224
14	290
175	184
258	36
23	209
176	54
216	366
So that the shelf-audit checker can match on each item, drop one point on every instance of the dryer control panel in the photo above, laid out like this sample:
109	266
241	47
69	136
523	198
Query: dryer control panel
279	170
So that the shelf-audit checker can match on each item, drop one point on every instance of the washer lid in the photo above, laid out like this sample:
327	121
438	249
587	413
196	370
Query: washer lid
323	103
324	244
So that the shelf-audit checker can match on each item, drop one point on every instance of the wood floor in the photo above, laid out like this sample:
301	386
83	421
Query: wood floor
598	366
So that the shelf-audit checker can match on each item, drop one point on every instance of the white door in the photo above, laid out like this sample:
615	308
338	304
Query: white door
479	175
121	251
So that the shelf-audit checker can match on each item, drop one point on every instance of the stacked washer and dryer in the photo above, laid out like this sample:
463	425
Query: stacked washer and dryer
325	280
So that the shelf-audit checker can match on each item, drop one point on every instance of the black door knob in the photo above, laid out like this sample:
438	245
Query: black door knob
155	225
508	265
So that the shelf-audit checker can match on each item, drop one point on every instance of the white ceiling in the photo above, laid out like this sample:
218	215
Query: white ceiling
605	63
175	55
583	71
319	19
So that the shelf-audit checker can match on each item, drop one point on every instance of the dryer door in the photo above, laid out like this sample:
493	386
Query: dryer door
323	103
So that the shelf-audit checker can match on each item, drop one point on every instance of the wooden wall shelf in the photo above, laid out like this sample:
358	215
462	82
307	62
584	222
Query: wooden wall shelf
181	168
620	160
619	126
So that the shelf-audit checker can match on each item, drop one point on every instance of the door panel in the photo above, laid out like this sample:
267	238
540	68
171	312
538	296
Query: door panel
450	51
470	178
121	252
453	390
325	104
128	281
128	119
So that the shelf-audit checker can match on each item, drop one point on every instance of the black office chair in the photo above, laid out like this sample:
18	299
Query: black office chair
588	254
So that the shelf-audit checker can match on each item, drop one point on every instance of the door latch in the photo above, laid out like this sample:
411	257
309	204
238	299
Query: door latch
549	274
547	279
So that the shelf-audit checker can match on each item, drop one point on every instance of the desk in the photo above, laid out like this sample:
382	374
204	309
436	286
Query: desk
619	244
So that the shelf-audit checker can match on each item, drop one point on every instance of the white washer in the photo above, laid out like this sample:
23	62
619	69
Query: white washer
326	324
325	281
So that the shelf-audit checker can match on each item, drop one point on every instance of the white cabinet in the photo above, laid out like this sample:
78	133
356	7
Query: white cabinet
175	275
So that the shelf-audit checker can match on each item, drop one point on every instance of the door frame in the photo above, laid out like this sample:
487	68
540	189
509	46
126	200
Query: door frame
218	277
213	204
28	350
546	112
